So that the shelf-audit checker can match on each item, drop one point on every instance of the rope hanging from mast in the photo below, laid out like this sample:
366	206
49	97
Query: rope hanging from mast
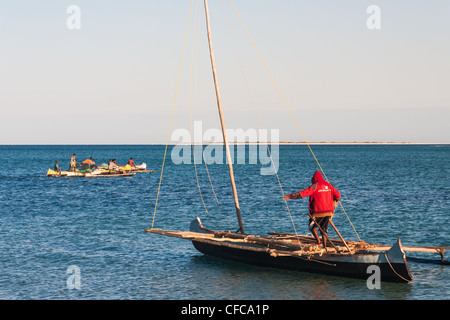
223	124
289	109
193	100
252	102
171	116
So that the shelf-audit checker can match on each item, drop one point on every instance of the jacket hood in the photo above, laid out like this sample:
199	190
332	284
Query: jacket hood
317	177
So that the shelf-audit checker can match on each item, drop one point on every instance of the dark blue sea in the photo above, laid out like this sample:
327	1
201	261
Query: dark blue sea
55	229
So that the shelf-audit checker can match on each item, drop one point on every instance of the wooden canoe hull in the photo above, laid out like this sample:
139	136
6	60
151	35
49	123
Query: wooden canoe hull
110	175
94	174
353	269
391	263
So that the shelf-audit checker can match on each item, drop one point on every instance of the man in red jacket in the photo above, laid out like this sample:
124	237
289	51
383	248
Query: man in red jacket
323	199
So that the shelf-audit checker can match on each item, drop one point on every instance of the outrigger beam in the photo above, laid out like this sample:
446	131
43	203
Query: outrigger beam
428	249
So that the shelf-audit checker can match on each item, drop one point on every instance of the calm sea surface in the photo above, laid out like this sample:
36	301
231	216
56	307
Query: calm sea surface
49	224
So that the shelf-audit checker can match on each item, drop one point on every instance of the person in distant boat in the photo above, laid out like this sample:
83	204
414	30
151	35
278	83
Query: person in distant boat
73	163
57	168
323	199
131	163
89	161
112	165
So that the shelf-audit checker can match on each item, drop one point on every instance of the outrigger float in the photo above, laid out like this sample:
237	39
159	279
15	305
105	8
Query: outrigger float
101	171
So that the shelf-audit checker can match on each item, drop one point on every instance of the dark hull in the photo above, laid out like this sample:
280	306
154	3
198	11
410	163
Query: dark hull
323	266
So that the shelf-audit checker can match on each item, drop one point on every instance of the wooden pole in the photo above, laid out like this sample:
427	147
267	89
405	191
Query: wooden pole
339	234
321	230
222	121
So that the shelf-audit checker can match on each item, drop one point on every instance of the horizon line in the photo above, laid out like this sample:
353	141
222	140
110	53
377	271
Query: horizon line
235	143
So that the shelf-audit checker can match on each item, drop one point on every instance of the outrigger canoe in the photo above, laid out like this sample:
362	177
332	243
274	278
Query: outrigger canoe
287	251
102	171
299	253
93	174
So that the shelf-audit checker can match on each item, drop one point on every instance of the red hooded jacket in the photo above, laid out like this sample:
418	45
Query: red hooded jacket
321	196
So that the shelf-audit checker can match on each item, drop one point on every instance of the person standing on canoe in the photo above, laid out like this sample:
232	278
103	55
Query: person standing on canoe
323	199
73	163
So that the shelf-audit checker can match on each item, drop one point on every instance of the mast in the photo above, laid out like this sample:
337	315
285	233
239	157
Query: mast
222	122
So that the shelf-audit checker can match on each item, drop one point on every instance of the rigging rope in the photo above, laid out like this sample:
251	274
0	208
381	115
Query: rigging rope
197	112
289	109
171	116
190	126
194	62
284	101
194	65
390	265
252	102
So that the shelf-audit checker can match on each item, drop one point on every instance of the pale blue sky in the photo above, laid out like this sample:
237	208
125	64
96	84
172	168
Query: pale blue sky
113	81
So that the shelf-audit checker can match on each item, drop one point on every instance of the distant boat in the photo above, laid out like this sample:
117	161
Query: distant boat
290	251
93	174
101	171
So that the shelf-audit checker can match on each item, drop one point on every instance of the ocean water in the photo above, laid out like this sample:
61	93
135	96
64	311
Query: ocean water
97	225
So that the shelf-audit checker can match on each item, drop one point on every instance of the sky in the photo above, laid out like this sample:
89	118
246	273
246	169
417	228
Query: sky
109	75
